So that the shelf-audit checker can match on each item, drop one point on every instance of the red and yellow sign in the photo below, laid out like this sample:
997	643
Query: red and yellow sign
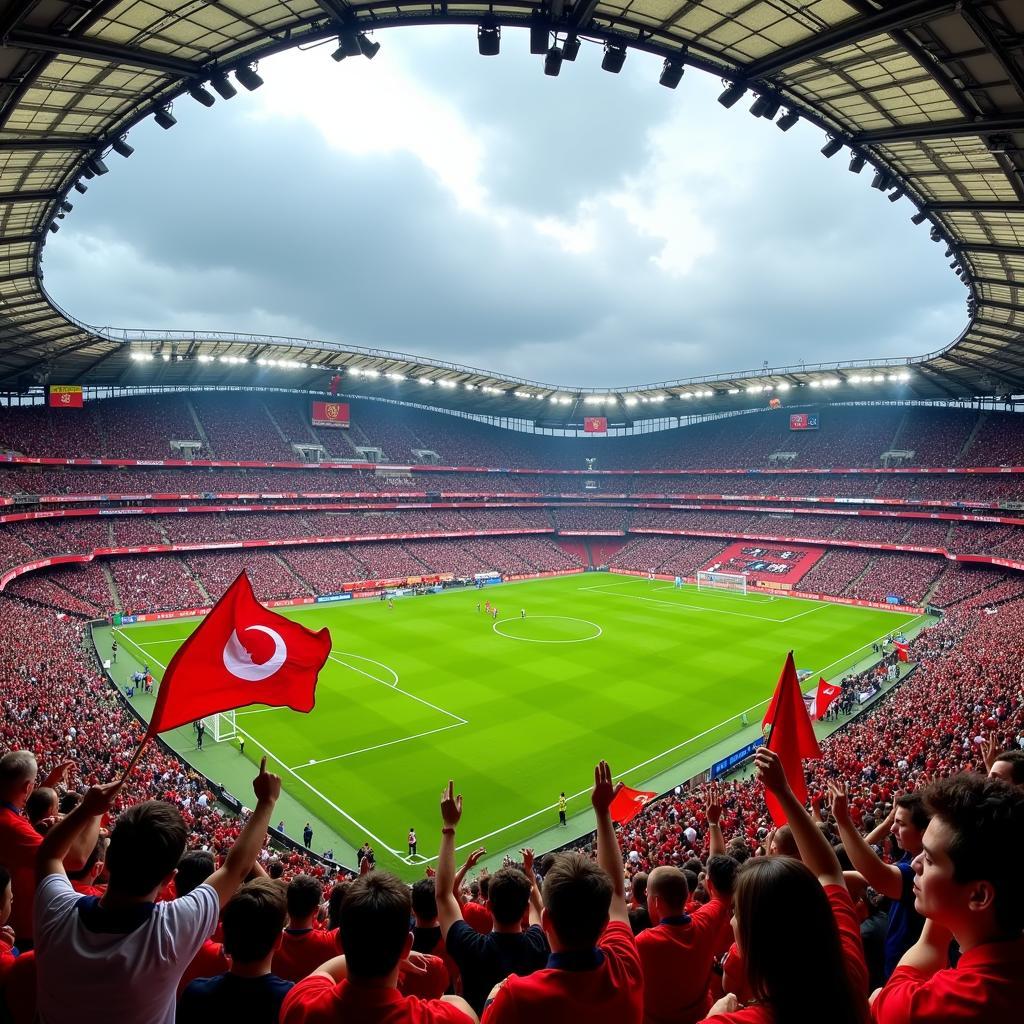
65	396
330	414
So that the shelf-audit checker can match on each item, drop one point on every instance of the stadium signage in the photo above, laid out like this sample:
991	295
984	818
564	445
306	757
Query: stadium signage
735	758
328	598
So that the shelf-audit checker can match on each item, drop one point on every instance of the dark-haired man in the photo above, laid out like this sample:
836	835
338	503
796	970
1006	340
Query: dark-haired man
248	991
119	957
362	985
1008	766
594	972
484	960
303	948
969	886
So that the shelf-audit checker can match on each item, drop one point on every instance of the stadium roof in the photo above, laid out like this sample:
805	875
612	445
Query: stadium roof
929	92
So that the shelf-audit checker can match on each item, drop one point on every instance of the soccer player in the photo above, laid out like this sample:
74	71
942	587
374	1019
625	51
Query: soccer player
412	842
968	885
522	613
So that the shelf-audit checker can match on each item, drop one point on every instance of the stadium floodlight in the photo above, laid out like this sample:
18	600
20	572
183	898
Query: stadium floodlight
539	38
247	77
571	47
121	148
80	188
88	172
686	394
164	118
223	87
54	227
733	93
96	165
368	47
766	105
201	94
348	46
395	376
782	386
469	387
553	62
614	57
671	72
857	163
882	181
831	147
787	120
426	380
371	373
733	391
488	39
66	206
896	194
630	401
919	218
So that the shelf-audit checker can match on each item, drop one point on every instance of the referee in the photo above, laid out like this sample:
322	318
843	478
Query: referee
561	809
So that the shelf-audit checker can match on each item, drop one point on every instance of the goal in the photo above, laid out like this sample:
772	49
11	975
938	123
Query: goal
722	581
222	726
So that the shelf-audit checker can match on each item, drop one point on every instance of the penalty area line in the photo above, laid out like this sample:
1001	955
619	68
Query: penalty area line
379	746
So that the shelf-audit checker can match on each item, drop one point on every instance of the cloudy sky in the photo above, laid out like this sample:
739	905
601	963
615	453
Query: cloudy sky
590	229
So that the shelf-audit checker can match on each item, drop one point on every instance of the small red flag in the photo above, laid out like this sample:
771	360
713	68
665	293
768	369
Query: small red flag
241	654
826	694
902	652
788	732
628	803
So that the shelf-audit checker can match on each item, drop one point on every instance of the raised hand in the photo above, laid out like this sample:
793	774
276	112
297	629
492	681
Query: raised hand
474	858
451	806
266	786
989	751
713	805
99	799
604	789
839	800
770	771
527	860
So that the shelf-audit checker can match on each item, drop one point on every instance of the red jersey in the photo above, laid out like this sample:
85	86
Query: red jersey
478	917
853	960
19	842
19	989
318	1000
987	985
302	951
608	992
87	890
207	963
7	959
676	956
428	984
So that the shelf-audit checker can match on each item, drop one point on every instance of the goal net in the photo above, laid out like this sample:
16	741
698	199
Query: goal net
222	726
734	581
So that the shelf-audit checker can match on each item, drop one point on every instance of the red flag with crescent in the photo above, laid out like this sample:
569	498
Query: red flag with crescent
241	654
628	803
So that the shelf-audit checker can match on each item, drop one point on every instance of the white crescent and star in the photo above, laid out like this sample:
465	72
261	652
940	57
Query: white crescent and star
238	661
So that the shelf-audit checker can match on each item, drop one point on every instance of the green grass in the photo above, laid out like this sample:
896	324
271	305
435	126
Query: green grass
633	671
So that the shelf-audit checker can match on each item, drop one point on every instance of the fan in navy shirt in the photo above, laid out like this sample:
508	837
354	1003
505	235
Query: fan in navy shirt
253	921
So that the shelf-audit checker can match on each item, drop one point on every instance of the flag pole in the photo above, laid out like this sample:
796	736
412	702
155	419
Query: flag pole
136	757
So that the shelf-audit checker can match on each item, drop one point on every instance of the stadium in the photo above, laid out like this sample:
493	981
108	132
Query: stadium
512	582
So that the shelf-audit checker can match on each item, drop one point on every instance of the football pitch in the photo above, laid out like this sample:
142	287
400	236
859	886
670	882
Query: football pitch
519	708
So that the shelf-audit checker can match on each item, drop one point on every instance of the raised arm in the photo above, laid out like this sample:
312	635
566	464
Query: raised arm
76	831
815	850
886	878
242	855
877	835
609	856
471	862
535	900
713	812
448	909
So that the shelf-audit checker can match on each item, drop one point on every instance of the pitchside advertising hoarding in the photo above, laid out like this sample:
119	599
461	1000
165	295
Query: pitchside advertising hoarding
803	421
330	414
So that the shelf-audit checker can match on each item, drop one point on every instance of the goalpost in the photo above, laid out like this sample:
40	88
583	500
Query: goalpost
734	581
222	726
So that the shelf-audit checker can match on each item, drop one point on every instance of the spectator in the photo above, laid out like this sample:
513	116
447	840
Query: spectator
121	956
896	881
42	803
594	972
426	932
969	888
303	947
253	919
484	960
639	915
8	951
194	868
362	985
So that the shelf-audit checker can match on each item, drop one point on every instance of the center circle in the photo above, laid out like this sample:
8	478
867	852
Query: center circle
556	629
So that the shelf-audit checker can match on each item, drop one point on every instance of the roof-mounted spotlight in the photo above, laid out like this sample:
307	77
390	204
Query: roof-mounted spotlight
882	181
164	117
733	93
223	87
766	105
201	95
80	188
247	77
614	57
571	47
96	165
831	147
488	39
919	218
788	119
54	227
553	62
66	207
121	147
671	72
367	47
896	194
540	37
88	172
857	163
935	234
948	252
348	46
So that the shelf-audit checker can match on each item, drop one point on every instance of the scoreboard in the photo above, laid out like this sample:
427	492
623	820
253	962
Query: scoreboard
803	421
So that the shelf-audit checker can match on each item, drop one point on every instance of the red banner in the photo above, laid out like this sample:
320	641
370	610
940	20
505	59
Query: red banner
330	414
65	396
595	424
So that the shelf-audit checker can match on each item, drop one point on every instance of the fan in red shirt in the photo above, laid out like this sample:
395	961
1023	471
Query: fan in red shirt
594	971
796	927
303	948
969	887
362	984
